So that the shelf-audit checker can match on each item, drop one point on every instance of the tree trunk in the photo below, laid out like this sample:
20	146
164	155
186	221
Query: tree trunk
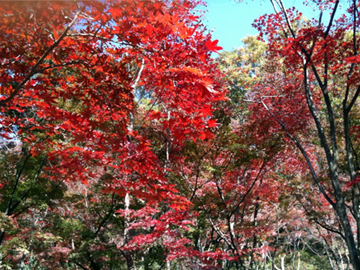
349	237
129	260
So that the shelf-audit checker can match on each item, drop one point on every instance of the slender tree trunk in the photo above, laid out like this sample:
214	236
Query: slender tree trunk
2	234
349	237
127	255
129	261
355	188
299	261
329	257
332	163
341	260
283	262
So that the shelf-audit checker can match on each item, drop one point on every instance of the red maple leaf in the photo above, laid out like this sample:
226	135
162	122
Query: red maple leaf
212	45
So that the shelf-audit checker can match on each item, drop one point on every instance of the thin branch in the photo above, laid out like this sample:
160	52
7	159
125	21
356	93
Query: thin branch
58	65
331	19
82	267
282	7
33	69
321	133
89	35
249	190
110	212
320	17
276	11
221	194
220	233
329	229
139	74
9	207
330	112
305	155
318	222
355	48
348	108
24	195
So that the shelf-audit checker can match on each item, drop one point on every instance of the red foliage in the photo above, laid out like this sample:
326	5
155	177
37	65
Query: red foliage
69	73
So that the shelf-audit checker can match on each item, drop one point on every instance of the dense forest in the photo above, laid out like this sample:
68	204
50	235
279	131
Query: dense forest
125	144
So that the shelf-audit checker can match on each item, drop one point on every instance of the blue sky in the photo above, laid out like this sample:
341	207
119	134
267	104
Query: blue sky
232	21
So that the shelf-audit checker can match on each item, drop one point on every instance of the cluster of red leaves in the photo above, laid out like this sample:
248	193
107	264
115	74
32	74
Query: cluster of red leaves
68	78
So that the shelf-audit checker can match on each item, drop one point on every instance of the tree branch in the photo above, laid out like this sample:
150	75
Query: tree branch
17	89
303	152
331	19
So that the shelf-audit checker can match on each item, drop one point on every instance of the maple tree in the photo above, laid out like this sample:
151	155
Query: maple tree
71	73
267	86
318	85
243	184
119	148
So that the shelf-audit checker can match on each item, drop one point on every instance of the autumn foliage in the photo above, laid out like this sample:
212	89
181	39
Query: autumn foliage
125	145
71	74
